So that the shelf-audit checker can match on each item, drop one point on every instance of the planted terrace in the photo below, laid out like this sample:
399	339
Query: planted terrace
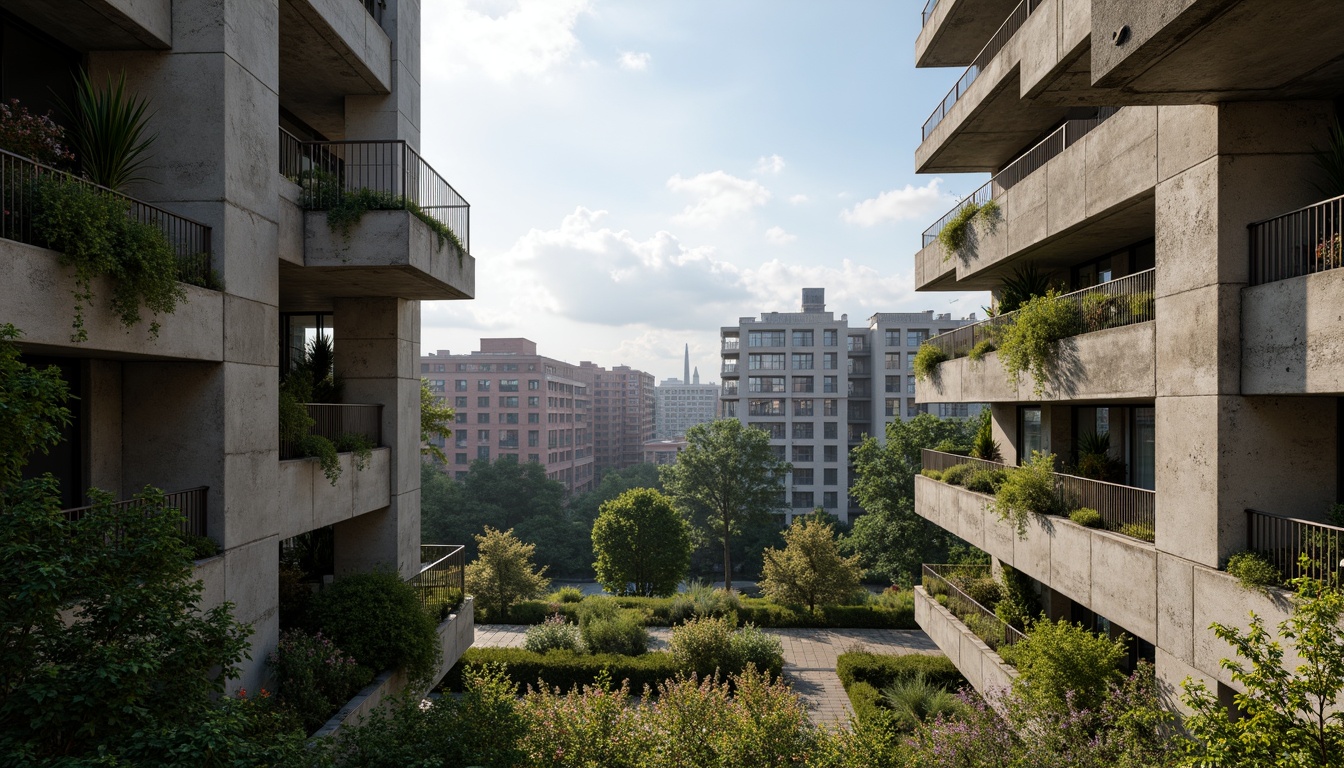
190	503
441	581
1297	243
949	584
1295	547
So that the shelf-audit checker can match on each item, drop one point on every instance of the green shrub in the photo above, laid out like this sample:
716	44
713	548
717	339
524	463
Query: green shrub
377	618
866	701
198	547
953	445
347	207
1028	490
1254	571
623	634
1019	603
986	481
1030	343
359	446
1142	531
322	449
553	634
956	236
704	646
981	349
565	669
881	670
1087	517
1141	306
567	595
927	360
984	446
761	649
313	677
871	617
915	700
983	590
957	474
1059	658
932	474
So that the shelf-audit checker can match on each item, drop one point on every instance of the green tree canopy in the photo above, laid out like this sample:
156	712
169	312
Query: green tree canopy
809	570
642	544
434	421
728	473
502	573
584	507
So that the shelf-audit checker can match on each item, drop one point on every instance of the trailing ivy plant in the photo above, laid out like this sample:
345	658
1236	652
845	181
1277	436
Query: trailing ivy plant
927	360
1030	344
351	205
96	235
956	236
1028	490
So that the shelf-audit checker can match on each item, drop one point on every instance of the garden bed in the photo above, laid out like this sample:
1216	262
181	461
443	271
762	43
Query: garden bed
659	612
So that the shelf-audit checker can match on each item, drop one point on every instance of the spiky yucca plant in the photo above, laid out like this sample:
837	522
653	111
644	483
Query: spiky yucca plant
109	136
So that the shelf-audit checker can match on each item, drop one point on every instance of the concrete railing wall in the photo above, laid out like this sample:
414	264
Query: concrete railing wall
984	669
1293	336
308	500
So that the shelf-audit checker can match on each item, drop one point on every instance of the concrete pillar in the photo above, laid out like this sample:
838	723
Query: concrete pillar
1003	418
1219	452
378	356
395	115
102	437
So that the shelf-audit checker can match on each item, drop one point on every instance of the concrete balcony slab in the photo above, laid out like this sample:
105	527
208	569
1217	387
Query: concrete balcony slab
1293	336
956	30
308	500
984	669
102	25
330	49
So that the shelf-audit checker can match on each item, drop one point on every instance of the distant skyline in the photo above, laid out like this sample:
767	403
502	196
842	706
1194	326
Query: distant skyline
642	173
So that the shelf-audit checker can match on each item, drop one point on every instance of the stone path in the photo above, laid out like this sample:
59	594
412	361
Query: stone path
809	658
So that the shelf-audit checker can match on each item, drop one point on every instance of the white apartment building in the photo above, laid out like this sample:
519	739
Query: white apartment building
680	404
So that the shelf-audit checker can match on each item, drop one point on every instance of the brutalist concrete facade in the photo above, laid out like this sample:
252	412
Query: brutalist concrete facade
198	405
1125	137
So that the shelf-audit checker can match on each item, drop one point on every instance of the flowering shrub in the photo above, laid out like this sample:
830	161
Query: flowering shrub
36	137
314	677
555	633
707	646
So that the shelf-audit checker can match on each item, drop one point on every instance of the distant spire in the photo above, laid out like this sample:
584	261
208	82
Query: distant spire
686	377
697	374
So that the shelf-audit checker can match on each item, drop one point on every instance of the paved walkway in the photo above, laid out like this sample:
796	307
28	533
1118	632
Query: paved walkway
809	658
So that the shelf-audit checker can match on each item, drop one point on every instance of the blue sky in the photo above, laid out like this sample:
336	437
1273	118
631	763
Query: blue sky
643	172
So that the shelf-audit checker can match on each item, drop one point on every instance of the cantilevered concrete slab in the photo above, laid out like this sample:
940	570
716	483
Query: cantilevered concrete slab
958	29
104	25
330	49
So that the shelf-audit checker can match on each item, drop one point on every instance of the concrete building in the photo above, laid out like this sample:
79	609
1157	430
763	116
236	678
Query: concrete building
263	111
680	404
810	380
1132	147
622	401
511	401
663	451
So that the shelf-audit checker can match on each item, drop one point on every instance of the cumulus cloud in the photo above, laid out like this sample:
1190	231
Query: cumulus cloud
904	204
798	199
777	236
719	196
503	39
635	62
772	164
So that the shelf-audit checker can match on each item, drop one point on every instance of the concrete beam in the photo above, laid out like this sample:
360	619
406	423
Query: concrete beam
102	25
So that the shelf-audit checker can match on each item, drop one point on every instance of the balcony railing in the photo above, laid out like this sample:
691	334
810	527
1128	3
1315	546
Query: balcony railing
943	580
1123	301
1284	540
191	503
731	344
1024	165
996	43
334	420
1298	243
1124	509
328	171
925	14
189	239
441	582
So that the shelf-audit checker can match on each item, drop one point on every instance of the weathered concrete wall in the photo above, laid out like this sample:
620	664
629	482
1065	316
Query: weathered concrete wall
291	227
101	24
309	500
388	253
343	34
983	668
1114	364
1293	336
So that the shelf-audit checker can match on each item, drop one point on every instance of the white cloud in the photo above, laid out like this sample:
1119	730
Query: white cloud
904	204
635	62
777	236
798	199
772	164
719	196
503	39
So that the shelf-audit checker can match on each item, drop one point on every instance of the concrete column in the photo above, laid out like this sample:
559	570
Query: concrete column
395	115
1003	418
102	438
1219	452
378	355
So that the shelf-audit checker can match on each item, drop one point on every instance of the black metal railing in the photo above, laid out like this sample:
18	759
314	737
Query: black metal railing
335	420
1298	243
1124	509
441	582
375	9
329	171
1023	166
1284	540
1123	301
189	239
943	580
190	502
996	43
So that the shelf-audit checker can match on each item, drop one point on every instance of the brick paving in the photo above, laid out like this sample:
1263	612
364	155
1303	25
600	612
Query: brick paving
809	658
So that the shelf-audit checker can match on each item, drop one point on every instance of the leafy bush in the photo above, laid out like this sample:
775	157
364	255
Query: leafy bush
956	234
502	574
1019	603
377	618
809	571
1142	531
622	634
567	595
986	481
882	670
981	349
957	473
761	649
198	547
322	449
360	446
1028	490
565	669
1057	661
932	474
1030	343
553	634
1087	517
927	360
1254	571
983	590
704	646
313	677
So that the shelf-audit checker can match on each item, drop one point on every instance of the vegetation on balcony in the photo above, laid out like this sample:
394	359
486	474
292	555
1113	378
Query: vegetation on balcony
959	237
313	380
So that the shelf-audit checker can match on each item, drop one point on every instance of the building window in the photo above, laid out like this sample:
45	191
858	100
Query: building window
802	430
460	385
831	430
765	407
893	385
856	344
508	385
893	406
830	338
830	361
459	402
830	475
778	452
802	407
774	428
802	338
767	384
953	410
802	500
1033	438
829	385
892	361
728	409
534	402
910	363
534	418
910	385
766	362
802	361
461	438
729	387
483	452
533	385
535	458
459	458
460	417
482	435
483	418
829	499
802	453
508	402
483	385
830	407
915	338
509	418
913	409
802	476
765	339
891	338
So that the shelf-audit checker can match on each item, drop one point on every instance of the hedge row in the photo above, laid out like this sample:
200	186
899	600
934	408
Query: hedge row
866	701
564	669
758	611
880	670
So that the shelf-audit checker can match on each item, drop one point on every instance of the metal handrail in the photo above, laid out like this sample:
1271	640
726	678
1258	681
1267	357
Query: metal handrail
1300	242
1283	540
927	12
189	239
996	43
334	420
191	502
988	627
1023	166
441	581
1123	301
1124	509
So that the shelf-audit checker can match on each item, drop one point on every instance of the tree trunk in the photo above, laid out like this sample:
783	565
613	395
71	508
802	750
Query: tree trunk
727	558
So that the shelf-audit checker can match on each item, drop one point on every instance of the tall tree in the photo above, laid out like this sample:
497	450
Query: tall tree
434	421
502	573
809	570
642	544
729	473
